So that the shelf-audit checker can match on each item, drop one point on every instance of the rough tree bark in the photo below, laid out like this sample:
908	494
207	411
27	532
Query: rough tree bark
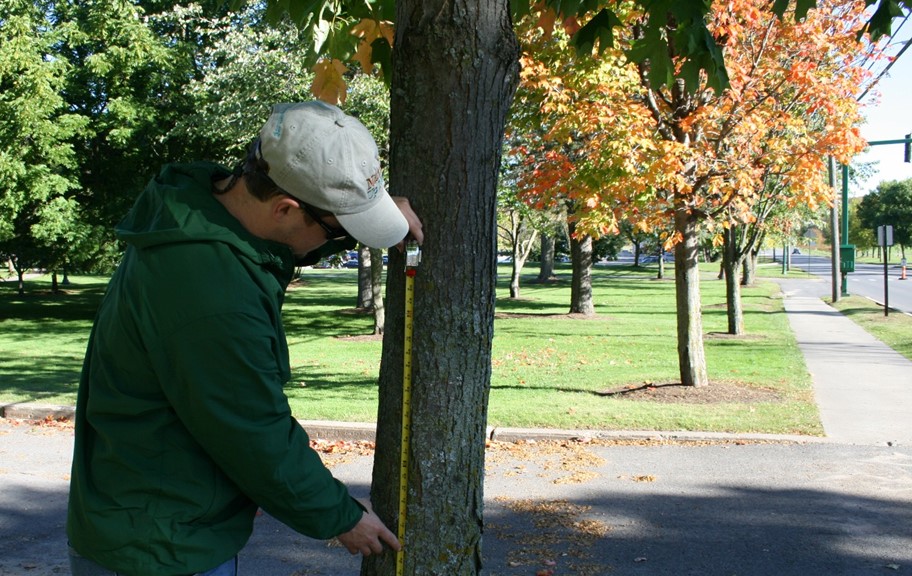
546	271
691	357
731	263
455	69
581	283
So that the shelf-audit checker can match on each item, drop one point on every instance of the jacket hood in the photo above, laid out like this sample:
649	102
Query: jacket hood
178	206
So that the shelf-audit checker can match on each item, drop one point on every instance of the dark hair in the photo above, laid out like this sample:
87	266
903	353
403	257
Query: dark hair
255	170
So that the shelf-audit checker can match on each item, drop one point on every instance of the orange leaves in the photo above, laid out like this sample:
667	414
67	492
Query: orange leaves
329	83
615	150
369	30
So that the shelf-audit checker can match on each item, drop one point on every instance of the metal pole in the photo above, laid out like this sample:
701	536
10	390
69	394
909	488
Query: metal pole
845	222
834	229
886	277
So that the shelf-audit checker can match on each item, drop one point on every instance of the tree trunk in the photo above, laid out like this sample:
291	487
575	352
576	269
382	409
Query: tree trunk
691	358
661	262
365	292
636	253
521	250
581	283
546	271
730	264
376	260
514	279
455	69
749	268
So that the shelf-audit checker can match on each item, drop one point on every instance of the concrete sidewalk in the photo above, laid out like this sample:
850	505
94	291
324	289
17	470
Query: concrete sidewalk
863	387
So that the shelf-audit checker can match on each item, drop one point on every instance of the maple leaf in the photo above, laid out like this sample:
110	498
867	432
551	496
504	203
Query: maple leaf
329	82
368	30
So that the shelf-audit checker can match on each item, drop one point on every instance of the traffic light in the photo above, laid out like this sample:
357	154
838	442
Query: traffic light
908	151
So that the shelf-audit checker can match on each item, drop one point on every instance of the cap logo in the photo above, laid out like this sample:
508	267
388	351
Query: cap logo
280	121
374	185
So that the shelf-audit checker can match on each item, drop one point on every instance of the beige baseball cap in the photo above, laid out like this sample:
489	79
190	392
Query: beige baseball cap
328	159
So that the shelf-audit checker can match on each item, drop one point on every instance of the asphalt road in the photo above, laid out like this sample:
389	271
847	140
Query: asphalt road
644	508
867	280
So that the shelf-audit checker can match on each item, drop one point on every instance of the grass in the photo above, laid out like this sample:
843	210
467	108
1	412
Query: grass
894	330
547	367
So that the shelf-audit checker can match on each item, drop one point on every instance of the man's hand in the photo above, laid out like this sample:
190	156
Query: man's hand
369	535
415	229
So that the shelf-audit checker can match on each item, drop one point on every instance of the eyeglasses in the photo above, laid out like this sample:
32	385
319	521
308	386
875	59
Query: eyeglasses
332	233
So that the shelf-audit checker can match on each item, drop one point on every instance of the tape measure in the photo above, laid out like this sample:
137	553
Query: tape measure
412	259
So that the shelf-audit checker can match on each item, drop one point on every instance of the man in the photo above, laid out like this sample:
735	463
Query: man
182	427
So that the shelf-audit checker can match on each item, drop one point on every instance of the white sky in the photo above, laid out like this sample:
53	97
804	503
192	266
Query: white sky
889	119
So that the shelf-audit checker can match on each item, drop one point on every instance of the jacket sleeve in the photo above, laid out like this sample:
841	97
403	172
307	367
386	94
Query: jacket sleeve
223	379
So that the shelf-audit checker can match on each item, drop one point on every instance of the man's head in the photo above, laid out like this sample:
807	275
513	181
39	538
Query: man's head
317	154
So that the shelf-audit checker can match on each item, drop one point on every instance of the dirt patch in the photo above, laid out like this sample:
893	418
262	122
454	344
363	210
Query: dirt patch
676	393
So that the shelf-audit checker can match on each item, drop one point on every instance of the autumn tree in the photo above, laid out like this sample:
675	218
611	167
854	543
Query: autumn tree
793	84
563	110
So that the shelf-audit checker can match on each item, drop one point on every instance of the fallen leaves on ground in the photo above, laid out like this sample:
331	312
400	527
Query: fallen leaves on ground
569	460
563	536
336	452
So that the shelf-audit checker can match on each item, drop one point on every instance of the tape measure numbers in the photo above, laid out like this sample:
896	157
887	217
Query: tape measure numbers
412	259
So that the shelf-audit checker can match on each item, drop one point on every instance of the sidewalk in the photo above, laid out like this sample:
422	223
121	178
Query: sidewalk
863	388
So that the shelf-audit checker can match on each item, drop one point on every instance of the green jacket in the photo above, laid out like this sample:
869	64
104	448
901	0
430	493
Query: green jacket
182	427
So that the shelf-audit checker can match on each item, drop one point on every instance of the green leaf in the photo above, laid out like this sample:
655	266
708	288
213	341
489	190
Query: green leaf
275	10
881	21
304	11
802	7
520	9
600	27
779	7
381	53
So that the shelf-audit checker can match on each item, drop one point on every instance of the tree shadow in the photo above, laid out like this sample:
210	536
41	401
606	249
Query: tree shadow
609	526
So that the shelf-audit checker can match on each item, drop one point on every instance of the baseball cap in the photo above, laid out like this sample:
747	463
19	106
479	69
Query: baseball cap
328	159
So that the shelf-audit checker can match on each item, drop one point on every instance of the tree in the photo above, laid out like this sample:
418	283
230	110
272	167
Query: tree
445	157
560	116
39	221
889	205
860	234
521	235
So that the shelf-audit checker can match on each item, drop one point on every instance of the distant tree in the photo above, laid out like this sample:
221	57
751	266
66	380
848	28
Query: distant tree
40	222
891	205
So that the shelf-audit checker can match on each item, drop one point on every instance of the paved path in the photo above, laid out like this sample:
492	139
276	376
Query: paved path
863	388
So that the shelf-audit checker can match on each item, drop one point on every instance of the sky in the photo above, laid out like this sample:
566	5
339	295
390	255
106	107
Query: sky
889	119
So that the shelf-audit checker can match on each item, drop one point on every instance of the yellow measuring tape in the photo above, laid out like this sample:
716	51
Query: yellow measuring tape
412	259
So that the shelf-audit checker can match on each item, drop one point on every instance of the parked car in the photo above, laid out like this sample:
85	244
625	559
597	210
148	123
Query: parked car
796	251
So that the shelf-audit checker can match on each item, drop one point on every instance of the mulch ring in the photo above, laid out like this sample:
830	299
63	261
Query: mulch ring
677	393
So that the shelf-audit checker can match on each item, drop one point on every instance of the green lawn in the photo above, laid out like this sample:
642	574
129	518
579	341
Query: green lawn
547	367
894	330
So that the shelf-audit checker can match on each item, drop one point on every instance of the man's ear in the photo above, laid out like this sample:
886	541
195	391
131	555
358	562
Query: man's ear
284	206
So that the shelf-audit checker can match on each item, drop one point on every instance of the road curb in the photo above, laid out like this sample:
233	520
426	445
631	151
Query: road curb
367	432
